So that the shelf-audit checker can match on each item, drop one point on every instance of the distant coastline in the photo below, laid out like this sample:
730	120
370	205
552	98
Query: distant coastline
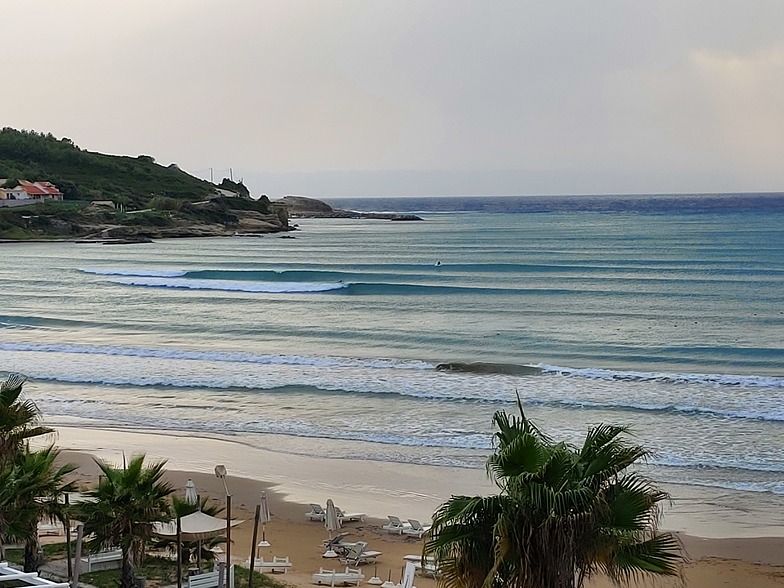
644	203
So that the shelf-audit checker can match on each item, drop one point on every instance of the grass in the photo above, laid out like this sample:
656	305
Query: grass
159	571
259	579
15	555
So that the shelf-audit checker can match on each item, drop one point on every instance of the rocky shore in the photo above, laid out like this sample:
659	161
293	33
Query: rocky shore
303	207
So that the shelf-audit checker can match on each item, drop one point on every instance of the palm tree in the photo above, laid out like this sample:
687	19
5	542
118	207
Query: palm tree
30	491
19	418
563	514
38	498
126	503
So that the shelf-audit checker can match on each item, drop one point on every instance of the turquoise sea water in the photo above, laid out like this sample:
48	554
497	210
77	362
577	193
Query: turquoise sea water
669	321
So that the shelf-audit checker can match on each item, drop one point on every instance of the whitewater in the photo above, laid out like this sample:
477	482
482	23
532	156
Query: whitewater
398	341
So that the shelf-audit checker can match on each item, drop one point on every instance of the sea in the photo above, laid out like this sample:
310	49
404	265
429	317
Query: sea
398	341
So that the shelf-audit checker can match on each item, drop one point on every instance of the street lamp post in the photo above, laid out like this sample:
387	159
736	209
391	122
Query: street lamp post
220	472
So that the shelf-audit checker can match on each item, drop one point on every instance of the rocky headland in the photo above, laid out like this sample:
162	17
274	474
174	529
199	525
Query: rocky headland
124	199
303	207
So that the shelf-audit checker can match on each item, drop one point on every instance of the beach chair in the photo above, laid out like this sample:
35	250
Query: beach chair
55	528
395	525
335	578
110	559
416	529
348	517
278	564
427	568
338	544
359	554
316	513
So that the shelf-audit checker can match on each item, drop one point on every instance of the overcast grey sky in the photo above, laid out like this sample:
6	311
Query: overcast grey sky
398	97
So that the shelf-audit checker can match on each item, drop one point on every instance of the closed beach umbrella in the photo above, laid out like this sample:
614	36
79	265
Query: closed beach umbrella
408	575
191	496
264	518
332	523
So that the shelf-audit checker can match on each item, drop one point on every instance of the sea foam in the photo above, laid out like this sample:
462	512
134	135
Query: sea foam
230	285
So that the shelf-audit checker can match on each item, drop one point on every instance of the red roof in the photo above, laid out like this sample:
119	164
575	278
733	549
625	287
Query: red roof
40	188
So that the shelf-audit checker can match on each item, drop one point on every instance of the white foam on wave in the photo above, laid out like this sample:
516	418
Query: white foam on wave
231	285
106	271
763	414
715	379
201	369
407	378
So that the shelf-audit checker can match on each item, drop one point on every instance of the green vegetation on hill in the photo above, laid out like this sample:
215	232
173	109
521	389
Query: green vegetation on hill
147	200
84	175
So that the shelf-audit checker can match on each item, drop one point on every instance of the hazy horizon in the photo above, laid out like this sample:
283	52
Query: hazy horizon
347	98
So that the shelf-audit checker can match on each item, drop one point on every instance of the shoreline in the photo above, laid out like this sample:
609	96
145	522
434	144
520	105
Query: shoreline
382	488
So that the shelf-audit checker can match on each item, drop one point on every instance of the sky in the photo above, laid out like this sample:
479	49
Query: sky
354	98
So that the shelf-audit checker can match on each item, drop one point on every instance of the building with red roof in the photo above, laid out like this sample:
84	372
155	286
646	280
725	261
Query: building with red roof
41	190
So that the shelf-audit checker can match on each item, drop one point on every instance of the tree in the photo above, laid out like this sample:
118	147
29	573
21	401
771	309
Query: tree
39	498
31	488
126	503
20	418
563	514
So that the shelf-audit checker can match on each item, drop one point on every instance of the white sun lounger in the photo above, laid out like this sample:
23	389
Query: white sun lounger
351	516
278	564
360	554
338	544
416	529
316	513
395	525
51	529
335	578
426	568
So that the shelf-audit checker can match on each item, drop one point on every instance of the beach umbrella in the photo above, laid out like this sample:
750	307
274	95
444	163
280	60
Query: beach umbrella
389	583
375	580
264	518
332	523
191	496
408	575
196	526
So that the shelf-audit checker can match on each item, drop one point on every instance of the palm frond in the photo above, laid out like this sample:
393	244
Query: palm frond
563	513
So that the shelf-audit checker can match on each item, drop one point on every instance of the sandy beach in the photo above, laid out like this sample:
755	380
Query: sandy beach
730	538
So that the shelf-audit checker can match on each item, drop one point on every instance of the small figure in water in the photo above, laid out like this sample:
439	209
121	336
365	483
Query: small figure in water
438	262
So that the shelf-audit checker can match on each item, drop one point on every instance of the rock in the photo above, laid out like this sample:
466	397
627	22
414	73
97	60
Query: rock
303	207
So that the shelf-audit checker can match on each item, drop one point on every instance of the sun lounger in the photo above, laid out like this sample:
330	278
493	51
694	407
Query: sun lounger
426	568
206	580
50	529
359	554
338	544
416	529
335	578
102	560
347	517
336	540
316	513
395	525
278	564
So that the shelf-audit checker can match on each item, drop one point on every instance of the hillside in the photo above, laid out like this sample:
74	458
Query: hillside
144	200
85	175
